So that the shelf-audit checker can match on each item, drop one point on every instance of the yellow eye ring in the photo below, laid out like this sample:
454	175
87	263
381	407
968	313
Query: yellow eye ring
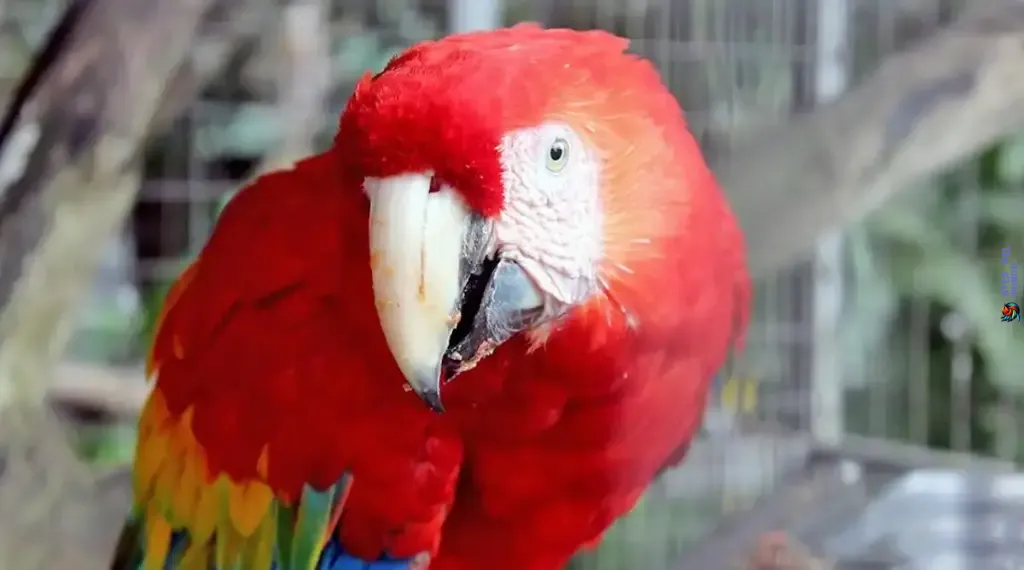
558	155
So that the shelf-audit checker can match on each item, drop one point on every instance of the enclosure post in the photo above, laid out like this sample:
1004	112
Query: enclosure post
472	15
827	385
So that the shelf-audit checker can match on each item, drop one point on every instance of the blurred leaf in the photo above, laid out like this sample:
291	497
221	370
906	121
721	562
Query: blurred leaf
354	54
106	445
1011	162
14	54
1004	207
914	248
654	535
947	275
250	130
871	302
391	11
988	168
152	304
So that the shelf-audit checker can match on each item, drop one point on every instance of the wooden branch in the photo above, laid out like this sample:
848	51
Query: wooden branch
798	495
777	551
301	88
217	39
89	387
67	179
924	110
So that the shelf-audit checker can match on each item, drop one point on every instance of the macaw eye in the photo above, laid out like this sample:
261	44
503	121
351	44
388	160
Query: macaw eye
558	155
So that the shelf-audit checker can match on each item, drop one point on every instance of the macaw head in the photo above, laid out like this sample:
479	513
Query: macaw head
516	177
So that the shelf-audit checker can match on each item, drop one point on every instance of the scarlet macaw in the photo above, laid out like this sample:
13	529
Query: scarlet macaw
515	227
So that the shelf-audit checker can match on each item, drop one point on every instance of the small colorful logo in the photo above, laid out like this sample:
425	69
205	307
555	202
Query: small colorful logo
1011	312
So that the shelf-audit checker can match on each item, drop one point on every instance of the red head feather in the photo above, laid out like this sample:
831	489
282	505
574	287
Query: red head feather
444	105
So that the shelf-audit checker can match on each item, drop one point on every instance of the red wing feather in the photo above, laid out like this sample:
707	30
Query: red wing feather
272	375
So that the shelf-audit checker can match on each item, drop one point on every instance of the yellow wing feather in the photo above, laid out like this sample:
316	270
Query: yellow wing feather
232	523
158	540
174	490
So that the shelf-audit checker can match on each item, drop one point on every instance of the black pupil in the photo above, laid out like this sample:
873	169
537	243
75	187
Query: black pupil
557	152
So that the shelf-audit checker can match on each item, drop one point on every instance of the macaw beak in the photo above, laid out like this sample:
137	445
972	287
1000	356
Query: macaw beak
444	296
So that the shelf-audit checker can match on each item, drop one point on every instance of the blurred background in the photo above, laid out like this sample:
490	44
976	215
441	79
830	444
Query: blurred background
873	421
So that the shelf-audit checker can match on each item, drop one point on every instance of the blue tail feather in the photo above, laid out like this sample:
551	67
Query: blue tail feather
333	557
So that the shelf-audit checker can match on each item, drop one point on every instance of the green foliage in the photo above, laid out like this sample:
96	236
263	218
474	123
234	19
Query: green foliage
105	445
23	26
654	534
936	251
152	304
251	129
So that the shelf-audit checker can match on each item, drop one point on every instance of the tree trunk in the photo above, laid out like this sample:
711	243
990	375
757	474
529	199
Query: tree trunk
68	176
924	110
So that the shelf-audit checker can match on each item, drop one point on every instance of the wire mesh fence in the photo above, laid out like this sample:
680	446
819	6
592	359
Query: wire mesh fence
850	342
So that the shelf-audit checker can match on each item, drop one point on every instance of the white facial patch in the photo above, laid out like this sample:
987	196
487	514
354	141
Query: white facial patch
552	221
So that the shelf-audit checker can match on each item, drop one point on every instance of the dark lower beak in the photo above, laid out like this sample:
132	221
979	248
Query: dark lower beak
498	300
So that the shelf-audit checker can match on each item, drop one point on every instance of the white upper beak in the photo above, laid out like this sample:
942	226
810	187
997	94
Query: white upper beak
416	246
